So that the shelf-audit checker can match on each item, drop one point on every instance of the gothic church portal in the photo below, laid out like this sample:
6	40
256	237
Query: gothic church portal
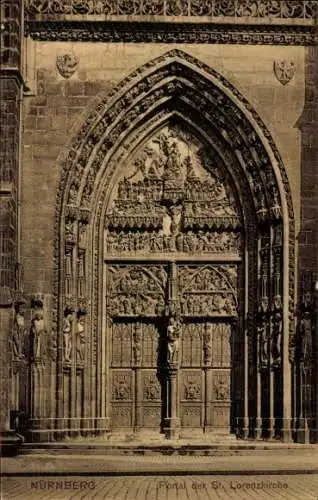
184	223
158	244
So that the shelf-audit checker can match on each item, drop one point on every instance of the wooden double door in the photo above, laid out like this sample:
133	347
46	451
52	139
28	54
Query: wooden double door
138	377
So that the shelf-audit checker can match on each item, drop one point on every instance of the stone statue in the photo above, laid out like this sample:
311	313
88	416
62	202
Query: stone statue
173	164
80	336
37	331
175	215
263	336
137	343
277	338
67	333
173	337
18	334
306	338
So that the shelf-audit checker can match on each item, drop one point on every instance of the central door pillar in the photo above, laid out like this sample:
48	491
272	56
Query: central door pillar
172	421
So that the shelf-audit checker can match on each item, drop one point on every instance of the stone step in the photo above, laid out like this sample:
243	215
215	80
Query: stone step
224	448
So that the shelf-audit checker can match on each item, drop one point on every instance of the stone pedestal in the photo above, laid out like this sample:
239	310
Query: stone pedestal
172	428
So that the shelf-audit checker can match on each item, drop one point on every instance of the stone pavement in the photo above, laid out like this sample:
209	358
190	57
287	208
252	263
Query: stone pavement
292	474
194	487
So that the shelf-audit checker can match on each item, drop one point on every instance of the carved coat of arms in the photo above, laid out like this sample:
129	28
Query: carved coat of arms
66	65
284	71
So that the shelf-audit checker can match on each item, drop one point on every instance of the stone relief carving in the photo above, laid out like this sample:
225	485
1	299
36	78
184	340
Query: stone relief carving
259	34
121	386
284	71
191	386
151	387
170	192
208	290
282	9
222	388
66	65
136	290
152	242
112	165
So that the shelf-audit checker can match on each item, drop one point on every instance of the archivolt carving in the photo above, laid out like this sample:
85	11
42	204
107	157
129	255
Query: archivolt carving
174	86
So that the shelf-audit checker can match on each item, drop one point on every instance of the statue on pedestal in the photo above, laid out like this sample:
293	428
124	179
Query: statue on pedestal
37	331
67	333
18	334
173	338
80	336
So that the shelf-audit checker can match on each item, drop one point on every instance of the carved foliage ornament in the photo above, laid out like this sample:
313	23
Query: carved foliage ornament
284	9
284	71
66	65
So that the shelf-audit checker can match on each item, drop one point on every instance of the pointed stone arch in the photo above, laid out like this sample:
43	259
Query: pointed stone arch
176	88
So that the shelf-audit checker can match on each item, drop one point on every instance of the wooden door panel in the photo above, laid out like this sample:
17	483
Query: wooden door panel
151	399
191	390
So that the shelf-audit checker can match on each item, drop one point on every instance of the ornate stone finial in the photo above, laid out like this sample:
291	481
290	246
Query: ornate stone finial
66	64
284	71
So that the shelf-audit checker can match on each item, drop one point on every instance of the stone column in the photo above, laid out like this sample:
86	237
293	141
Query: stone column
11	92
172	422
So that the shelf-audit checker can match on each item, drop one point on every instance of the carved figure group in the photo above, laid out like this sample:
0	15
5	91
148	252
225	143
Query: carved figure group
208	304
136	304
144	241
